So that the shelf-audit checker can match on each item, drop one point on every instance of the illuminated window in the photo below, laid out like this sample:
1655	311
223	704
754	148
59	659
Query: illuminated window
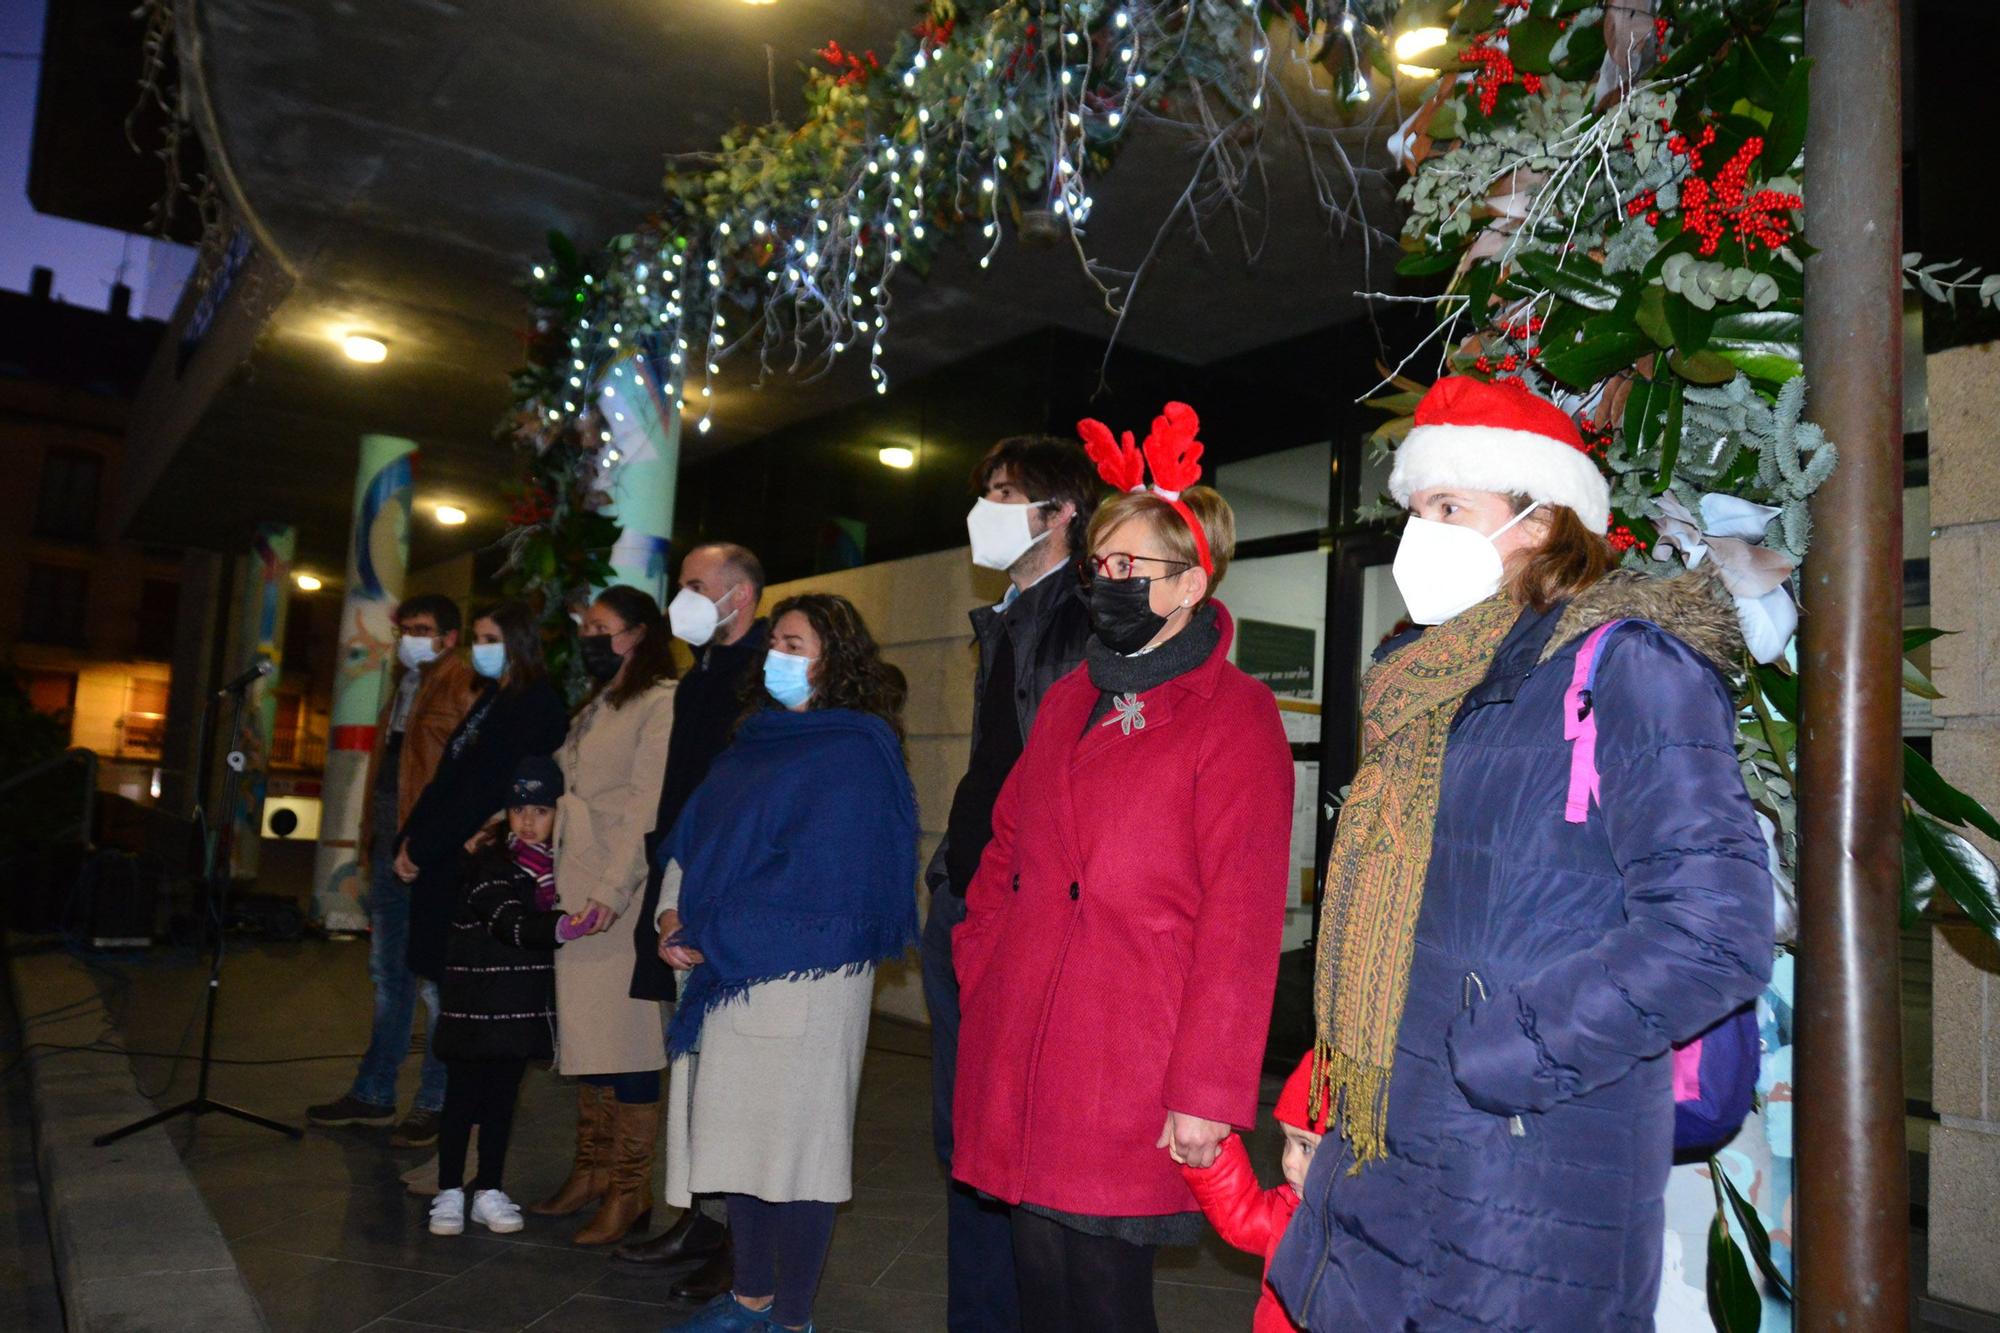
52	693
142	732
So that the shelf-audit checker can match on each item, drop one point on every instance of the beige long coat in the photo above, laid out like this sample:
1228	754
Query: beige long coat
612	763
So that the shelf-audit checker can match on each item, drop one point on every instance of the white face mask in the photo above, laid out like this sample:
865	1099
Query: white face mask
1444	568
693	618
413	652
1000	533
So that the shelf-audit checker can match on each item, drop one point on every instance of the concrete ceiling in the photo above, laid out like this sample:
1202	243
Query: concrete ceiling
403	160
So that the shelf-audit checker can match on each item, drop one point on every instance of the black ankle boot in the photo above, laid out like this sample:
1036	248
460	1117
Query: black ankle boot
693	1237
711	1279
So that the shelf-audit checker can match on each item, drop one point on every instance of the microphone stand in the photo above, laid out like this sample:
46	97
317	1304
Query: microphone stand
220	843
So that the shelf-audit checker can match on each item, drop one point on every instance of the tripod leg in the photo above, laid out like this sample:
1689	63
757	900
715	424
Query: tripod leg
185	1108
252	1118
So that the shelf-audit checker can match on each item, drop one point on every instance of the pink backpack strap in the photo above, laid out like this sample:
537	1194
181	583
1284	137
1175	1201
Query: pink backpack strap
1580	726
1687	1072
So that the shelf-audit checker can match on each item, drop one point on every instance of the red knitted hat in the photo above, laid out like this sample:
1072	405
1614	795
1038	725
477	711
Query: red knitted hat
1500	436
1292	1101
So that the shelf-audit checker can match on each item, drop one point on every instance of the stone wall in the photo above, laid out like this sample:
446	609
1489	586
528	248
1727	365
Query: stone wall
1965	996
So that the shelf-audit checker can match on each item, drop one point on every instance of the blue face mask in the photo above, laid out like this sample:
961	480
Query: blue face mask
786	677
489	659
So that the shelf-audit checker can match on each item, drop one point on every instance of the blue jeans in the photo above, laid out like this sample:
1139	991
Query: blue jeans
397	989
979	1235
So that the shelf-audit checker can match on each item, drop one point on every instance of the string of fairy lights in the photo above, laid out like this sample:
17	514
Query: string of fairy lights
788	241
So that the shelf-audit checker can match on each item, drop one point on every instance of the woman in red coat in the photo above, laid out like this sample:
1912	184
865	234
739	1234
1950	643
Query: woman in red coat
1121	942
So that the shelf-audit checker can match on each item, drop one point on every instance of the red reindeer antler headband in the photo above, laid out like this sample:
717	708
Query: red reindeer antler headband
1171	450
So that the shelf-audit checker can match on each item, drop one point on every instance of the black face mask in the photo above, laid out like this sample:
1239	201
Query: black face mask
600	660
1121	612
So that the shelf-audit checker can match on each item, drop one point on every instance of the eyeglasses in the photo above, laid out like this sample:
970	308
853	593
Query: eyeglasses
1119	565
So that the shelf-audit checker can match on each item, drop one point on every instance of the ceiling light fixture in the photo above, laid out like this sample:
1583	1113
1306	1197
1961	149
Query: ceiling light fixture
307	582
897	456
449	515
1414	43
364	348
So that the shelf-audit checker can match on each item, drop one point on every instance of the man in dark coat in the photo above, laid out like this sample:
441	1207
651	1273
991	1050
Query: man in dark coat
715	613
431	692
1036	497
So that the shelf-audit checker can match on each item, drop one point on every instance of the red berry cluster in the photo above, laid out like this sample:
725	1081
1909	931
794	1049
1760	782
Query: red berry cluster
932	32
1623	539
1523	328
854	68
1487	364
1596	439
1660	32
534	506
1494	70
1681	146
1727	205
1646	201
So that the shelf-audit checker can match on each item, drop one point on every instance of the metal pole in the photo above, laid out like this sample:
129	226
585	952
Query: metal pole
1852	1196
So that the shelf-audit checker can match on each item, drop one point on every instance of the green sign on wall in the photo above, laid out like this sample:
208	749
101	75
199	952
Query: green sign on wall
1285	657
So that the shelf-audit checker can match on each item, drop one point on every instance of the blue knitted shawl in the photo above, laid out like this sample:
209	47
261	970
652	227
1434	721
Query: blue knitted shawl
798	858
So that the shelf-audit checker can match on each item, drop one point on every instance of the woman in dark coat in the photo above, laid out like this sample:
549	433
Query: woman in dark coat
1120	949
1504	960
518	713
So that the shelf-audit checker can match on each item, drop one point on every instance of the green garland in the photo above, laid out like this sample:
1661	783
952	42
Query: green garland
990	116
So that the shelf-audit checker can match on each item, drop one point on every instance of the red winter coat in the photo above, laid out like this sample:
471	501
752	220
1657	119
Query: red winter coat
1248	1216
1121	942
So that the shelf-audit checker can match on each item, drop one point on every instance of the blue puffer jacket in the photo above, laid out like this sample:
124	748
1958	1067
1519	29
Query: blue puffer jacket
1596	945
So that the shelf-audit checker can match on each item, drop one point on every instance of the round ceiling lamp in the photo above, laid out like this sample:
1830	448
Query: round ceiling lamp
897	456
1411	44
365	348
307	582
449	515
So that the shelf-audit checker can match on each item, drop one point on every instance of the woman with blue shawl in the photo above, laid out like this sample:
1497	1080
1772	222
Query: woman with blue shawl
789	876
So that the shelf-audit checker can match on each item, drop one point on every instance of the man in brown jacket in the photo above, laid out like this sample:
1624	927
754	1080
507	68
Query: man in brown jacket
432	690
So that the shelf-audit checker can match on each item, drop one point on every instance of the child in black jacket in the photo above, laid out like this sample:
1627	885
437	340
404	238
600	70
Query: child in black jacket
497	1001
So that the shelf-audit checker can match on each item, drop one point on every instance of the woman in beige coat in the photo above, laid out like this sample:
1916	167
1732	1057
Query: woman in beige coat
612	762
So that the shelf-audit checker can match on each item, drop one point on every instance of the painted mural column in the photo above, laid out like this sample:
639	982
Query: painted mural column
378	556
643	461
263	593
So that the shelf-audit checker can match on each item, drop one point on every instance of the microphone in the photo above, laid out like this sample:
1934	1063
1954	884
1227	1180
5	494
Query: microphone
262	668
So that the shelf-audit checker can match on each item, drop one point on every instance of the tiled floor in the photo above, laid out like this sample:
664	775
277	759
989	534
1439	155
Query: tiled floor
328	1241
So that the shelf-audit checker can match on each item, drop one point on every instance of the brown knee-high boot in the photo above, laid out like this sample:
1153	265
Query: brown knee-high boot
628	1203
591	1173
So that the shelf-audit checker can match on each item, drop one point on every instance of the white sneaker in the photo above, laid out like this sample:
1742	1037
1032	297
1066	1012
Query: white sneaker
496	1212
448	1213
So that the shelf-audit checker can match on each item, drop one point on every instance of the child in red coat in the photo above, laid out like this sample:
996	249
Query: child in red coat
1246	1214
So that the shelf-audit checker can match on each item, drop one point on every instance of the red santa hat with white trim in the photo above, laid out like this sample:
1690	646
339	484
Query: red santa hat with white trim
1499	436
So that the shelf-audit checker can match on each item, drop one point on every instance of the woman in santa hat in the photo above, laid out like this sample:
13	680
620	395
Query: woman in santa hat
1120	948
1516	927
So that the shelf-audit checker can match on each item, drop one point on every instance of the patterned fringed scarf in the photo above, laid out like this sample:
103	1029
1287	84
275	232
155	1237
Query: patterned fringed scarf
539	860
1381	852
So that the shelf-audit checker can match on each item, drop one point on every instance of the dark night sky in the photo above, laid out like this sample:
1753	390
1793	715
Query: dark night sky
86	259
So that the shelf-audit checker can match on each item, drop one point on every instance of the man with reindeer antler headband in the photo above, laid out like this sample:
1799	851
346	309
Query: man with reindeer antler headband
1121	943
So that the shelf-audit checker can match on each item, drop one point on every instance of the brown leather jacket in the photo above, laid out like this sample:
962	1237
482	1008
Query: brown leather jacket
443	699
